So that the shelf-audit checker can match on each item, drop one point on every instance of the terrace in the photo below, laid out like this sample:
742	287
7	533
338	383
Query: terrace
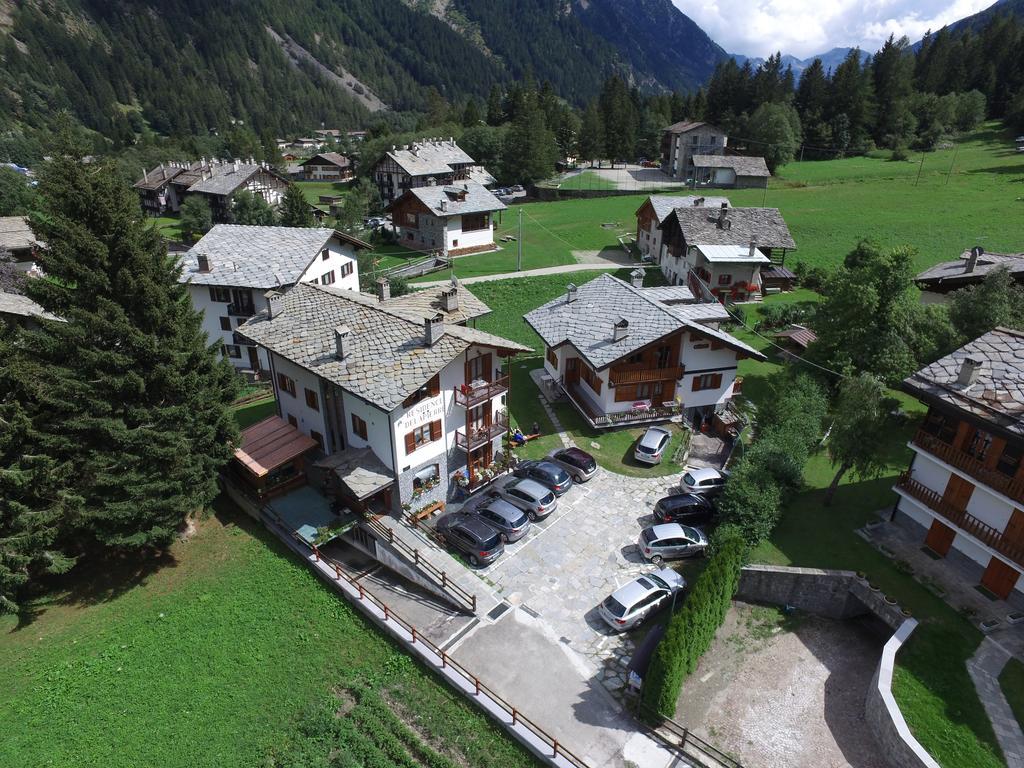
474	437
633	417
993	478
471	395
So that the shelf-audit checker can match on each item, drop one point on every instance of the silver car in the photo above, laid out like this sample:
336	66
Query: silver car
629	605
509	521
652	445
705	480
671	541
530	496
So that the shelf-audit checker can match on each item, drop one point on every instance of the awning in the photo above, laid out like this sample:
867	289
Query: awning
271	443
360	470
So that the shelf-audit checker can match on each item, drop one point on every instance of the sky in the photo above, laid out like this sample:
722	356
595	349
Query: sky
807	27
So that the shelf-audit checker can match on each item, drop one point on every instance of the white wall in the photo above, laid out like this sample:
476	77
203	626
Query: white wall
339	254
456	238
985	504
308	419
213	311
708	360
378	426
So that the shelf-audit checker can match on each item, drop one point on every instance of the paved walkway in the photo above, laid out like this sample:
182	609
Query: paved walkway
984	667
619	260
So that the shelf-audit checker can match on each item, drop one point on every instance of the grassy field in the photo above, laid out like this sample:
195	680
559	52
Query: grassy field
248	414
1012	682
587	180
313	189
169	226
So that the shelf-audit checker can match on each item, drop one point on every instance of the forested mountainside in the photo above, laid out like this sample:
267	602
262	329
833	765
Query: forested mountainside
185	67
976	22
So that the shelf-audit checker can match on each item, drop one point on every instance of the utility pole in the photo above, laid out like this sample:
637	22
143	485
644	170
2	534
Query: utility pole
919	169
953	163
519	244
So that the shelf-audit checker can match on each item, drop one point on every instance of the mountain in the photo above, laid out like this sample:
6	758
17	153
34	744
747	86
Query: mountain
830	59
186	67
978	20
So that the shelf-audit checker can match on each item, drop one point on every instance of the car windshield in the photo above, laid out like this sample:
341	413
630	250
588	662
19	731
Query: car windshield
548	498
688	479
521	520
614	607
648	535
658	580
645	448
691	533
490	543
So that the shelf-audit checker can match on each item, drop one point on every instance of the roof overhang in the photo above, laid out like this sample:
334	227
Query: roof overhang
270	444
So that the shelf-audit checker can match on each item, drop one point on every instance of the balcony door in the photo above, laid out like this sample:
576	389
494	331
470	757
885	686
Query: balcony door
479	369
940	538
1014	533
478	418
958	492
999	578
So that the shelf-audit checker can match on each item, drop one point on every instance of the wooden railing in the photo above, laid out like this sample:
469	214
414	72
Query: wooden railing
469	396
473	437
997	481
682	740
626	376
621	418
962	519
737	385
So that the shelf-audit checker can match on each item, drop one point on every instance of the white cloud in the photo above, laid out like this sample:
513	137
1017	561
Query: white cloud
807	27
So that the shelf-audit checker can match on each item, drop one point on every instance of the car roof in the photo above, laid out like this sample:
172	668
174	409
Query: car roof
684	500
476	527
667	531
629	594
704	473
576	453
531	487
502	507
669	576
653	436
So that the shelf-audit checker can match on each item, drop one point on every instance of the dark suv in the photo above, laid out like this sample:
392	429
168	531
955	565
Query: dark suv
547	473
471	536
686	508
578	463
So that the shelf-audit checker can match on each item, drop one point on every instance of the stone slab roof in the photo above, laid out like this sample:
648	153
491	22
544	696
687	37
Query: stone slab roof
997	394
670	294
743	166
387	358
249	256
430	158
360	470
952	274
226	178
587	322
685	126
455	199
732	254
664	204
158	177
15	234
428	302
700	227
22	306
328	158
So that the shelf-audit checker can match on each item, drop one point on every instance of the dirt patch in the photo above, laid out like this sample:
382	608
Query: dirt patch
777	689
346	702
605	256
424	735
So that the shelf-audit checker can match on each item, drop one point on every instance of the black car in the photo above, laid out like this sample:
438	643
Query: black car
685	508
547	473
576	462
470	535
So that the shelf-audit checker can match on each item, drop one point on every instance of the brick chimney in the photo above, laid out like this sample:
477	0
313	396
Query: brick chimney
620	329
342	341
434	329
969	370
273	304
636	278
721	215
753	246
450	298
383	289
204	262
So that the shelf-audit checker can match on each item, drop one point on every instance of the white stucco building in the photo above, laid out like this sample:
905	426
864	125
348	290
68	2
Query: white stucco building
454	219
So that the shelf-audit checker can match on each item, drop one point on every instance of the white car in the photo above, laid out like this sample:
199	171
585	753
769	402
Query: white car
671	541
652	445
705	480
629	605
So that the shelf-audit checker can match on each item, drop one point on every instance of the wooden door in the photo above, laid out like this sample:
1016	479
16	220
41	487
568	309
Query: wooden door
958	492
479	369
254	359
940	538
1014	533
572	370
999	578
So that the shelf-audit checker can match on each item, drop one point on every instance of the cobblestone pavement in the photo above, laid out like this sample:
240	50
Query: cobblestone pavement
984	667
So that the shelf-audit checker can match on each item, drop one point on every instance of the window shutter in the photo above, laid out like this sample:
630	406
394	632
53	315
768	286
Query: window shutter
435	430
716	381
488	368
434	385
410	442
696	383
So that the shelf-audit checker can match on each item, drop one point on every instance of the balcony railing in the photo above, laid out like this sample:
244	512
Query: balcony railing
600	420
472	438
469	396
241	310
962	519
626	376
997	481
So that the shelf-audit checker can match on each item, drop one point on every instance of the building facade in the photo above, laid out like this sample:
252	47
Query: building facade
422	163
731	171
327	166
682	140
936	283
455	219
964	489
652	213
163	189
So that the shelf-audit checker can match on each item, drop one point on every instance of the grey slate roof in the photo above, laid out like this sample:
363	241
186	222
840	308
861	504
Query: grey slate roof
159	176
998	394
15	234
700	227
476	199
226	179
430	158
360	470
587	322
427	303
328	158
664	204
387	360
22	306
743	166
250	256
952	274
685	126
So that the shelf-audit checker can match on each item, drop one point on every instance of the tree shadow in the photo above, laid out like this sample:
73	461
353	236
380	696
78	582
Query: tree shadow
1003	169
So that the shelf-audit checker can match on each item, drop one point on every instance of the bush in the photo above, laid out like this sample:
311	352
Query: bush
751	501
813	278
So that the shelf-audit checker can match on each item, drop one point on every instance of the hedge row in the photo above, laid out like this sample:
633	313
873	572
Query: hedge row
692	628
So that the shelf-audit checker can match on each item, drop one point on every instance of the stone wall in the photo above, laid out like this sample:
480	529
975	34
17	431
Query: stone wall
821	592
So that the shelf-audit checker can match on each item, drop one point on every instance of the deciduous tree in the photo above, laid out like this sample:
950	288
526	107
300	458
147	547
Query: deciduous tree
858	429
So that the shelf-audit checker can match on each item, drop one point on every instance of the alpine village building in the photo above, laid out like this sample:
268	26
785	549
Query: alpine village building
232	267
327	166
624	354
936	283
164	188
652	214
402	398
964	490
455	219
433	161
682	140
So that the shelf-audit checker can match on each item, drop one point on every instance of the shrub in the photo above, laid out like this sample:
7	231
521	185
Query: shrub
812	277
751	501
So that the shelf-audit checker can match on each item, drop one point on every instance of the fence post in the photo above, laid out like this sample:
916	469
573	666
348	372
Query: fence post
476	682
554	744
515	715
416	556
444	659
361	595
337	571
444	580
474	603
391	535
316	553
386	617
414	635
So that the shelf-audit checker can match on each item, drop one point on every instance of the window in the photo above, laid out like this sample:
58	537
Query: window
455	243
292	420
358	426
471	222
707	381
325	254
649	391
311	400
1009	461
725	279
285	384
426	477
318	437
409	219
346	269
978	444
938	425
232	350
422	435
634	359
664	356
225	323
328	278
552	358
220	295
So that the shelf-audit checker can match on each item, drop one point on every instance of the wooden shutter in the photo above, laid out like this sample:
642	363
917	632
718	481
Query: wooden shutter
410	442
434	385
940	538
696	383
716	381
958	492
1014	533
435	430
488	368
999	578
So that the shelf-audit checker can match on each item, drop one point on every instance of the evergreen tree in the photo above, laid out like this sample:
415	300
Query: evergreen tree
775	133
495	109
892	72
247	208
15	194
811	102
591	134
530	152
127	401
295	211
196	218
851	100
471	115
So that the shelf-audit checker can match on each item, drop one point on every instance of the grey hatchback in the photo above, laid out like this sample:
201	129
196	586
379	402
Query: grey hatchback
510	522
671	541
470	535
651	446
530	496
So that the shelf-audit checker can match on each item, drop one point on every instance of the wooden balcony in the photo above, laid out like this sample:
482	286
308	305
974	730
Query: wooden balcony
469	396
737	385
634	417
471	438
962	519
627	376
997	481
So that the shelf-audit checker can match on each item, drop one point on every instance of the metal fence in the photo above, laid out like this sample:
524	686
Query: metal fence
682	740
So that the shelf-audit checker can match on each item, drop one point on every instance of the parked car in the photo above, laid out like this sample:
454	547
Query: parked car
706	480
630	604
686	508
470	535
576	462
536	500
509	521
652	445
671	541
517	188
546	473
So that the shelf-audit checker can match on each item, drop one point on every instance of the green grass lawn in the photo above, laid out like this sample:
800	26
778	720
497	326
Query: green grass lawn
248	414
587	180
1012	682
313	189
226	652
169	226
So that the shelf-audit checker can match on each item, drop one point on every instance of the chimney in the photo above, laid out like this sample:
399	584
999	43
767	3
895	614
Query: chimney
972	262
145	174
204	262
450	298
721	215
383	289
570	293
342	341
698	203
444	205
969	370
636	278
434	327
753	245
236	163
620	330
273	304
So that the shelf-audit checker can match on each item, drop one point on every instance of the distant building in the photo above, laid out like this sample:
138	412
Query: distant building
18	310
422	163
682	140
937	282
731	171
163	189
18	240
231	269
327	166
651	215
795	340
357	135
454	218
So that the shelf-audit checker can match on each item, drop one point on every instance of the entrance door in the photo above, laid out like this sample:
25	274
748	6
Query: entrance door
572	370
479	369
254	359
958	492
1014	533
940	538
999	578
